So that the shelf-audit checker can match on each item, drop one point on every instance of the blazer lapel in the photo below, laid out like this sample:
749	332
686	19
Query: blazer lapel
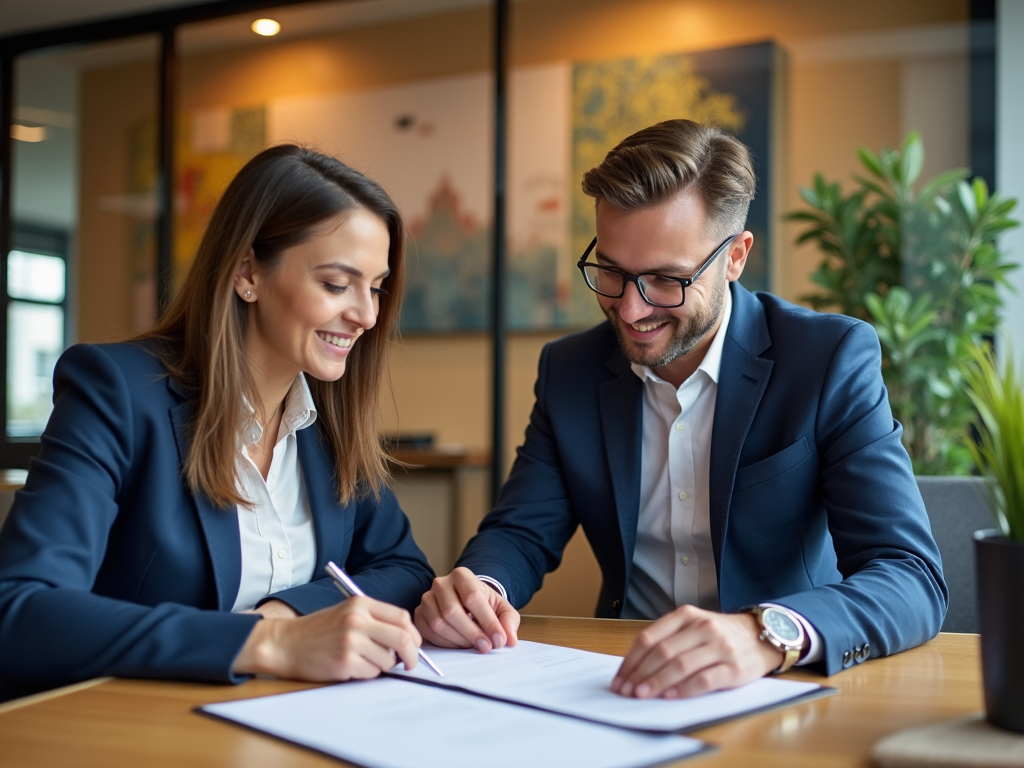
330	522
621	405
220	525
741	384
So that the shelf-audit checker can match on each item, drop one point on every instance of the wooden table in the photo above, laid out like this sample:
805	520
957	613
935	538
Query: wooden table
140	723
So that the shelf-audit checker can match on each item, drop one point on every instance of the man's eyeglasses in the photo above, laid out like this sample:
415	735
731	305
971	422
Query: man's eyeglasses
657	290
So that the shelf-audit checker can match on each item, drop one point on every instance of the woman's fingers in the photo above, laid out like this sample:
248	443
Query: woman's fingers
356	639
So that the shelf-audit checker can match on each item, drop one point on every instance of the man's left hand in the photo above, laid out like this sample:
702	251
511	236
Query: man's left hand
692	651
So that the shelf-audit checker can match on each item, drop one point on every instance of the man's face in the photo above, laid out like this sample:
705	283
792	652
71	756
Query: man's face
671	239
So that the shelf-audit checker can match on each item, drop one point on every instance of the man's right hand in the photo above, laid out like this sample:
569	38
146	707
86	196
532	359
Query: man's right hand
460	611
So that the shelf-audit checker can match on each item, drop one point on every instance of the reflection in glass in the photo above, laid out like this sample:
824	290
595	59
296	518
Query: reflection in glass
34	342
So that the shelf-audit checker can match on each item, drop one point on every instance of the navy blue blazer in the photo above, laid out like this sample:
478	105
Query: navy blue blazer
109	565
813	503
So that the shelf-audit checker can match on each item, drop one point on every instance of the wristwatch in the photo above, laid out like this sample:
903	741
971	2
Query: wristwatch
783	630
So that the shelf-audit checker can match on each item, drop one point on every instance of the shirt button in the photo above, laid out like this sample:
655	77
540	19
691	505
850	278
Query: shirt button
680	427
280	553
684	559
682	495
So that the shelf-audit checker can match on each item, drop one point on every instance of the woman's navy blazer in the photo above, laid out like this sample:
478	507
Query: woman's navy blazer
109	565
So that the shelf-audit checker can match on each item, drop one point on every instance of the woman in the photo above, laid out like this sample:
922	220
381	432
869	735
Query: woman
192	483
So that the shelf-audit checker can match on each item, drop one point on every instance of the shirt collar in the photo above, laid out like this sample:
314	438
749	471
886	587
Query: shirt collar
299	410
712	362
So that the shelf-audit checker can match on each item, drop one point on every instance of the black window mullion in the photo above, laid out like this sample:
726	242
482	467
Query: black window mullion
166	75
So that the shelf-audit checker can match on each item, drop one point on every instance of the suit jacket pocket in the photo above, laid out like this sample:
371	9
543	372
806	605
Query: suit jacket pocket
773	466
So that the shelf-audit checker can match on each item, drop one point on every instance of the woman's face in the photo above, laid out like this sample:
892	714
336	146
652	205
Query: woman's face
307	312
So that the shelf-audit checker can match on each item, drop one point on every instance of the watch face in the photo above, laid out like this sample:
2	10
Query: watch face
781	625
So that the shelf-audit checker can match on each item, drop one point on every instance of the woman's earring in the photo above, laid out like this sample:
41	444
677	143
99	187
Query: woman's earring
248	295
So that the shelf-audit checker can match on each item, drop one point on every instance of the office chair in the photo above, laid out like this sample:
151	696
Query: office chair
957	507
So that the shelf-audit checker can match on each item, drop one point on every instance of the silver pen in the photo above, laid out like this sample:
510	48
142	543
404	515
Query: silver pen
348	588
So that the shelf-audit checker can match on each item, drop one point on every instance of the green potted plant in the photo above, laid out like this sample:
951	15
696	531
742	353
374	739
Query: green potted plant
920	262
998	452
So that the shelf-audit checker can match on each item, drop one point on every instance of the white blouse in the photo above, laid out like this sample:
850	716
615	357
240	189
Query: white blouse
278	543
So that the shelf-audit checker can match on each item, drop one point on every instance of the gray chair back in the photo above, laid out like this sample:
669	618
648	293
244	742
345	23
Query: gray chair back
957	507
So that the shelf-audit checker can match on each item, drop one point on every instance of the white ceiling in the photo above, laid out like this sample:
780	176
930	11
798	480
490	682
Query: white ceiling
18	16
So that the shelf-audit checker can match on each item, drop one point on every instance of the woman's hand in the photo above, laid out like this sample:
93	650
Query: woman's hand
355	639
460	611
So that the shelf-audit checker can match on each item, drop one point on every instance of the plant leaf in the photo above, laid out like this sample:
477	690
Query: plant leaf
913	159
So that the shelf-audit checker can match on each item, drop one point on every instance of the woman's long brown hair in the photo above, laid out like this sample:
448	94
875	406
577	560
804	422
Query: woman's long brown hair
276	201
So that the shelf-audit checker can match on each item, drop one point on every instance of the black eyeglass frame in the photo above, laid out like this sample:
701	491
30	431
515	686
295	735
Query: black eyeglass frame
628	277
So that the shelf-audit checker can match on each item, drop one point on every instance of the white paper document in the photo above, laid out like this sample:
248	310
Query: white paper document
388	723
578	683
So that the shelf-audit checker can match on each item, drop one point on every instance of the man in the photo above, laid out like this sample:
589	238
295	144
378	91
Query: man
731	457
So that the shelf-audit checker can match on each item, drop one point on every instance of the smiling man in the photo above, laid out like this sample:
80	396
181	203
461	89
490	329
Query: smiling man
731	457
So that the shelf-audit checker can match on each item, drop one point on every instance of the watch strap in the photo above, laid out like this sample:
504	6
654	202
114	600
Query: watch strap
790	653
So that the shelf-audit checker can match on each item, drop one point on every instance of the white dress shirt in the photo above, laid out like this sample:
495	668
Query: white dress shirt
278	543
674	562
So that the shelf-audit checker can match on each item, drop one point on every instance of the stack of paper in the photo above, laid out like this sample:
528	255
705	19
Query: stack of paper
533	705
577	683
393	724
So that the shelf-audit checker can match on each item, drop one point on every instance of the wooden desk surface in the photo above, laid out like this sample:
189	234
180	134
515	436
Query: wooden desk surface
441	457
12	479
142	723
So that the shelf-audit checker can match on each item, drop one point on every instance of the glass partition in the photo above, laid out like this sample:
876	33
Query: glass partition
82	212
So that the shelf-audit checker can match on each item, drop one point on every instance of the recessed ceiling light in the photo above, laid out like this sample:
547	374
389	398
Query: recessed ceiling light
266	27
30	133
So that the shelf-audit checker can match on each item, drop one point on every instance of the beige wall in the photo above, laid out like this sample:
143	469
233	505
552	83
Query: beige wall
442	383
113	103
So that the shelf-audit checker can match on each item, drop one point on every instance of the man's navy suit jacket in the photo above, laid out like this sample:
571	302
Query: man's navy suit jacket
109	565
812	497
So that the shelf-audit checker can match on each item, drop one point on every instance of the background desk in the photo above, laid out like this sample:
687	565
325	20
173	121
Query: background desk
11	480
445	492
132	723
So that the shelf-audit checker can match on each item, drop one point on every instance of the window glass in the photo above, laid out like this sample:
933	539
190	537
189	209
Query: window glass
36	276
34	342
83	211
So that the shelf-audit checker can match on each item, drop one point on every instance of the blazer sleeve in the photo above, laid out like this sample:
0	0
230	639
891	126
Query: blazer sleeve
53	629
892	595
383	560
524	536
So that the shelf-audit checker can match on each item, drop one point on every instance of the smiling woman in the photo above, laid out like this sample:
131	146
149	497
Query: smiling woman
193	481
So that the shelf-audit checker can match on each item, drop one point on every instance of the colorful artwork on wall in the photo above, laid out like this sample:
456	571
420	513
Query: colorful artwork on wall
429	144
730	87
213	144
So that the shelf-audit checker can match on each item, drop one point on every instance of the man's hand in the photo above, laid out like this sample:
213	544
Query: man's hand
691	651
460	611
358	638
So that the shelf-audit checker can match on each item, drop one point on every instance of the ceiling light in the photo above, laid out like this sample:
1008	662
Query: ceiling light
266	27
30	133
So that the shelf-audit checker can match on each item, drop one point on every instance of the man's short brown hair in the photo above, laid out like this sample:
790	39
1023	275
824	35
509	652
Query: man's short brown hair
658	162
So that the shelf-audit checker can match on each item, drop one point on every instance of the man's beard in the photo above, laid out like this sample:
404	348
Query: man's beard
684	336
